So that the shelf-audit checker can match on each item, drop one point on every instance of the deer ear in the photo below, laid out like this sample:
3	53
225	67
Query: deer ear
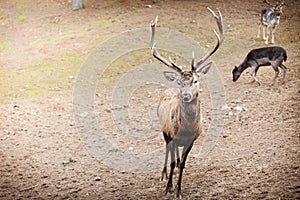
171	76
203	70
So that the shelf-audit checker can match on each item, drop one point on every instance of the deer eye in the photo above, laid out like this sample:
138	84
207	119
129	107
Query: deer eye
195	81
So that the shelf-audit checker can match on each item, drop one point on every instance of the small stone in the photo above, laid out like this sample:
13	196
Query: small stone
239	108
107	110
225	107
97	178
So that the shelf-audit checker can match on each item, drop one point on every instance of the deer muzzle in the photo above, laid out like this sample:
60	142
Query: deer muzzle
186	97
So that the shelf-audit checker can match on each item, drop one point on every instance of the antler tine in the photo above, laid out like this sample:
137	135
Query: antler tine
155	53
193	61
267	2
281	2
153	26
220	37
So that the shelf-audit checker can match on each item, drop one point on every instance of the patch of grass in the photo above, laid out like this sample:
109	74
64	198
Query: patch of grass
59	38
41	77
3	20
1	46
105	22
114	72
101	22
21	5
64	37
22	17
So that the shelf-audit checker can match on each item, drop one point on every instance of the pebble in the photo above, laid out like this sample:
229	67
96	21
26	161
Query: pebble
239	108
225	107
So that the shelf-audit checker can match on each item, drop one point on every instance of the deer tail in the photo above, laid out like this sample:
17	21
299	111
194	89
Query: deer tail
284	56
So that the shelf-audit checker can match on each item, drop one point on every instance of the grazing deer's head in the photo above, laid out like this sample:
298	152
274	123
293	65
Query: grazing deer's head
236	74
188	80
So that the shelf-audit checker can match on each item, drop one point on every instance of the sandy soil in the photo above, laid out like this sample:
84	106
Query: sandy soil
43	45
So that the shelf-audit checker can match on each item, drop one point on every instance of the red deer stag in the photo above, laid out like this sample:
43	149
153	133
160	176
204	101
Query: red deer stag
179	112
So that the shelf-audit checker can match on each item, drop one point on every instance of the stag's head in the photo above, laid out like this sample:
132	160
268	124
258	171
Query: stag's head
278	7
188	80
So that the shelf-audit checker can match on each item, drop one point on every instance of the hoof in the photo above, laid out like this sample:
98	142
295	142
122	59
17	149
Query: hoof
258	83
168	190
178	196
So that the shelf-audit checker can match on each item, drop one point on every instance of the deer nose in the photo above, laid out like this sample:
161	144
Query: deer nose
186	97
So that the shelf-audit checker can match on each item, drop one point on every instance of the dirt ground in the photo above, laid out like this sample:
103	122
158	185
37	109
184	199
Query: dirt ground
43	45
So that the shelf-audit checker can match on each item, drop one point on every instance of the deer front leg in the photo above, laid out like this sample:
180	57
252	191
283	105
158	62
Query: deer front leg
276	74
264	32
284	72
172	166
267	35
253	74
186	150
273	31
177	156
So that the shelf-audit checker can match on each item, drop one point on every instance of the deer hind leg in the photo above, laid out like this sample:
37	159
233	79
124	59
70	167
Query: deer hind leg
164	171
185	152
172	147
253	72
276	74
284	72
264	32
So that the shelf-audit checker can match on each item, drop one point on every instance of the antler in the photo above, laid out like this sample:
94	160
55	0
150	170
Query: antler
170	63
220	38
267	2
280	3
155	53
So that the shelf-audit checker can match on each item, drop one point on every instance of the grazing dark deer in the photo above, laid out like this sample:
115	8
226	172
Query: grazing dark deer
179	111
262	57
270	19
